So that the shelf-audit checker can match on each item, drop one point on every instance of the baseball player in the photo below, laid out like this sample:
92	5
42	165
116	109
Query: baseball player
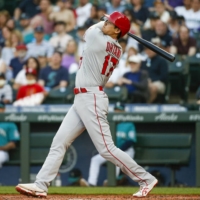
100	56
125	137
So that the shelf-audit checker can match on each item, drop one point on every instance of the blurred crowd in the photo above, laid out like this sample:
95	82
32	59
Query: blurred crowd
41	44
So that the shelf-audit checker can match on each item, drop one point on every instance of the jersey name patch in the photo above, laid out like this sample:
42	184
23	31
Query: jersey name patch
113	49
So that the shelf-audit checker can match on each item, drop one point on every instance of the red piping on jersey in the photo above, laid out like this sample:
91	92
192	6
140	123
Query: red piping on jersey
107	146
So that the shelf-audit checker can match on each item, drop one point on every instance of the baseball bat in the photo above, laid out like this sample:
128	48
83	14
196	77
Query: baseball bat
153	47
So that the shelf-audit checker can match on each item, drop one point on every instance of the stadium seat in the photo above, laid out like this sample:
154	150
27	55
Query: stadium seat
116	94
57	96
194	69
179	78
72	78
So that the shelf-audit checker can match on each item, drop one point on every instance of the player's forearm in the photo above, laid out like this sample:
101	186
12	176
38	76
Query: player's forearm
7	147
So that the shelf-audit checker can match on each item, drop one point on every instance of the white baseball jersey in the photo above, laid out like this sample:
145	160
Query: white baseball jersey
100	57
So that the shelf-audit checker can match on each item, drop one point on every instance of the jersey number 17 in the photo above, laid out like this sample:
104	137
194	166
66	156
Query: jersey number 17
109	59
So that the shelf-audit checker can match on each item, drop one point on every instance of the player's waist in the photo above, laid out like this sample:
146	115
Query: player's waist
78	90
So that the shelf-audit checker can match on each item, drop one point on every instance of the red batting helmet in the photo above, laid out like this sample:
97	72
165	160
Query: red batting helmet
120	21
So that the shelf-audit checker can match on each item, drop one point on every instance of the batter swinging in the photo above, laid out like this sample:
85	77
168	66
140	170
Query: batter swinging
100	56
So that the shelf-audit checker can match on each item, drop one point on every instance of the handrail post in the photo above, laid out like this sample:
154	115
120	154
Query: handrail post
25	151
197	154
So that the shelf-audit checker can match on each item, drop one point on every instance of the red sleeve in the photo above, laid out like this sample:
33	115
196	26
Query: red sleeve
20	93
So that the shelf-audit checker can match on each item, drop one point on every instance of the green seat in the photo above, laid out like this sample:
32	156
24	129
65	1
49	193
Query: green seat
39	148
116	93
179	78
194	63
166	149
56	96
72	78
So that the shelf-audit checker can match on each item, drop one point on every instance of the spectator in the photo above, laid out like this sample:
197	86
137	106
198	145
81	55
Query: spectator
162	32
32	87
162	13
101	11
6	95
64	14
171	4
3	66
14	39
69	4
157	69
80	39
136	81
184	44
125	138
139	12
8	50
93	19
76	179
83	12
25	28
193	17
61	39
30	7
31	63
42	58
16	64
135	26
39	44
150	24
10	24
70	58
184	10
9	138
160	9
46	9
115	5
4	17
174	24
54	76
5	34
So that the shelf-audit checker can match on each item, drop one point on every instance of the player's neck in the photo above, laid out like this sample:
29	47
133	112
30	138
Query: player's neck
113	36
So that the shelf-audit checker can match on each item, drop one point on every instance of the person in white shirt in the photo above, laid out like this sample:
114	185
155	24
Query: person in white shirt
61	38
6	95
64	14
193	16
83	12
39	44
21	79
162	13
184	10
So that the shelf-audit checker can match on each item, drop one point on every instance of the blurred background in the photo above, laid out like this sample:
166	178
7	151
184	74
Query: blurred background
41	42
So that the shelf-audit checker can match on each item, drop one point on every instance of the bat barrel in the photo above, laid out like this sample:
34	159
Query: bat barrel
153	47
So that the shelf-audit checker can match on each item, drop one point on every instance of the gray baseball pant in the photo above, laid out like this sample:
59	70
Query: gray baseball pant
89	111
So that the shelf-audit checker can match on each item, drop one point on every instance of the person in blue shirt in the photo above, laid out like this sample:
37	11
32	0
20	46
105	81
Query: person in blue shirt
9	136
125	139
136	81
54	76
